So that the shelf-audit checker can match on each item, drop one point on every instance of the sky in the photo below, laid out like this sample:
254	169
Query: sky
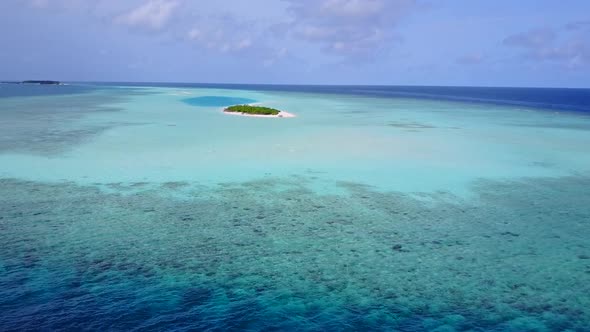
537	43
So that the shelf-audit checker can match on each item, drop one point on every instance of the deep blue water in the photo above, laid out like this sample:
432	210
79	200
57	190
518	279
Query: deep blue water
563	99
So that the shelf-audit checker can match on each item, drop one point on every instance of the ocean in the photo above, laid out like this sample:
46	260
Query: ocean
141	206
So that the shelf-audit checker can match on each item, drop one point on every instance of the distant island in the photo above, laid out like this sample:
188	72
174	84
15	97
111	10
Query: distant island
41	82
257	111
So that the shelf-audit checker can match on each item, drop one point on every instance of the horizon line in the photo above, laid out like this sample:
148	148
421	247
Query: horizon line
311	84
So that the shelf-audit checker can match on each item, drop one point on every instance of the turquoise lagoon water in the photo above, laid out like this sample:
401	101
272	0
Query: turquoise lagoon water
218	101
147	208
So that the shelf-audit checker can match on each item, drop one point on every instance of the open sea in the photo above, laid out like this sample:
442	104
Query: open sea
141	206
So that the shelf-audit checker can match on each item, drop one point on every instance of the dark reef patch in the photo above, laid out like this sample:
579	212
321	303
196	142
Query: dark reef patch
43	125
410	125
272	254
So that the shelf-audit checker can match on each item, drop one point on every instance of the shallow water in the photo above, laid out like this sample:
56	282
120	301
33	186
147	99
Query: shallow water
216	101
131	209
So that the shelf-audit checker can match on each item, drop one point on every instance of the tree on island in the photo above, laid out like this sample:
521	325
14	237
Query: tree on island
249	109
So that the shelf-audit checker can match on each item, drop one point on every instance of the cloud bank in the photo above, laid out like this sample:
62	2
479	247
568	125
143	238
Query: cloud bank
153	14
335	41
569	47
347	27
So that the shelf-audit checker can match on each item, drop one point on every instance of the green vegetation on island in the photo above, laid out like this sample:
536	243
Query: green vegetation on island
248	109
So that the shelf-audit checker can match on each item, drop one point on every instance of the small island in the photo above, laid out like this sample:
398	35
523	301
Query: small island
36	82
42	82
257	111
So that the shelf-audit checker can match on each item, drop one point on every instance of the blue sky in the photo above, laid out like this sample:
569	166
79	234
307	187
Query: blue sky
398	42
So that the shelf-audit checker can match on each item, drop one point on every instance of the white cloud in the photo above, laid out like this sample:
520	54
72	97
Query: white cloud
39	3
533	38
276	56
569	47
470	59
222	34
195	34
348	27
244	43
154	14
352	8
58	4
